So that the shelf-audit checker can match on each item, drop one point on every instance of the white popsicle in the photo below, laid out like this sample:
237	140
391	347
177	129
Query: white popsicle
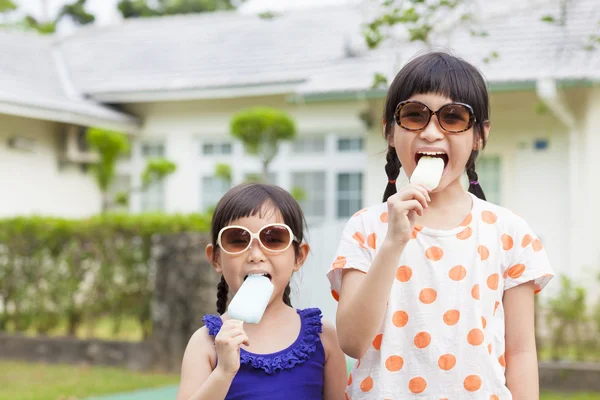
250	302
428	172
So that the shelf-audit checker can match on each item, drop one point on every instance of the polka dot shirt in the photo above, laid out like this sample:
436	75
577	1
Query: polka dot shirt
443	332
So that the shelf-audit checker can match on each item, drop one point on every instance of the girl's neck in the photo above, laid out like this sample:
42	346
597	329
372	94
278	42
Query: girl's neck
447	208
450	197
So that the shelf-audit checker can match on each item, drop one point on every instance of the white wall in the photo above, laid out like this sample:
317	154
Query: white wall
32	182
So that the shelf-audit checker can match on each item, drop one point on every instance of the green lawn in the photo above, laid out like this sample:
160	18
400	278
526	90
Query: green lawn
21	381
574	396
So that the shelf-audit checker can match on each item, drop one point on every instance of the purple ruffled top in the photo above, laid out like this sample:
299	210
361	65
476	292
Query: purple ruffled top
294	373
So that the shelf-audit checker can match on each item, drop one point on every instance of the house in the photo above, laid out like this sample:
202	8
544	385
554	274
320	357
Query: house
173	83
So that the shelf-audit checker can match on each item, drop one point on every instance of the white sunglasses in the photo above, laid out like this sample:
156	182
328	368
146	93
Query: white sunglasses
274	238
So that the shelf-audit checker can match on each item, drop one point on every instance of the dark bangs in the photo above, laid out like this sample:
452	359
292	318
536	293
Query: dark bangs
443	74
251	199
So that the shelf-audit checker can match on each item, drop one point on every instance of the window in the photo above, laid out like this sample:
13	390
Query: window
309	145
153	197
349	193
213	188
153	150
313	186
217	148
350	144
489	172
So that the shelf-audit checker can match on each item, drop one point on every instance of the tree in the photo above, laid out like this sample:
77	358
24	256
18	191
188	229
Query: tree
7	6
142	8
75	10
261	129
110	145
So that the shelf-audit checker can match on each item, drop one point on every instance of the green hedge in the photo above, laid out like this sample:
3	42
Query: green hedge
57	271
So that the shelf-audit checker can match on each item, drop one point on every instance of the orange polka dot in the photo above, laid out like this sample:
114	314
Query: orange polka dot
490	348
483	322
489	217
475	337
384	217
394	363
494	397
400	319
492	281
377	341
404	273
502	360
451	317
422	340
428	295
458	273
417	385
496	307
507	242
465	233
526	240
335	295
358	364
475	292
367	384
467	220
447	362
537	245
516	271
340	262
415	232
356	214
434	253
372	240
346	394
537	288
350	380
359	238
472	383
483	251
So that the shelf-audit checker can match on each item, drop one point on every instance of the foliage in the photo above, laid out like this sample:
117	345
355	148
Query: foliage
261	129
144	8
52	268
75	11
223	171
568	321
110	145
299	193
7	6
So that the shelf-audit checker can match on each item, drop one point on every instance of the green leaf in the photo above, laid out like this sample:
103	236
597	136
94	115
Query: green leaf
298	193
379	81
7	6
223	171
549	19
156	170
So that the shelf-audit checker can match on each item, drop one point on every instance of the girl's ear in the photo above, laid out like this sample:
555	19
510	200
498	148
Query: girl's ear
212	255
303	250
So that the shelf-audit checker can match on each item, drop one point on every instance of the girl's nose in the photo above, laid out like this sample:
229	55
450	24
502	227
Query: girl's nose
256	253
432	132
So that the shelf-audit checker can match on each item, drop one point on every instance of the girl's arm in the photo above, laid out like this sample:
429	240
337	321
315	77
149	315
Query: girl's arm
200	380
336	373
363	297
521	357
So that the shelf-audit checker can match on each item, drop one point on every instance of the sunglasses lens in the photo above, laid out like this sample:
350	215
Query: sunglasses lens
275	237
455	118
235	240
413	116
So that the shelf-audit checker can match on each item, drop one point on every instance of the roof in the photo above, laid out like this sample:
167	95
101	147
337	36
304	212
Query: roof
208	51
527	49
34	84
312	52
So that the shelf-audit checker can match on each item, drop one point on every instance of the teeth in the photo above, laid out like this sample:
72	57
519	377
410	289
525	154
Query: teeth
432	153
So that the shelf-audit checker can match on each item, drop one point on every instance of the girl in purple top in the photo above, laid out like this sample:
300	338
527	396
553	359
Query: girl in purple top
291	354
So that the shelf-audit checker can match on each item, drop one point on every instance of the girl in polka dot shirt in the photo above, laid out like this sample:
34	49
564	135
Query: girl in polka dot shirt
436	289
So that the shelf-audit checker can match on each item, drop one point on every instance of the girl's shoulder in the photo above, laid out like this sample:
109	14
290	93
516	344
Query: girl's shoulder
502	217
